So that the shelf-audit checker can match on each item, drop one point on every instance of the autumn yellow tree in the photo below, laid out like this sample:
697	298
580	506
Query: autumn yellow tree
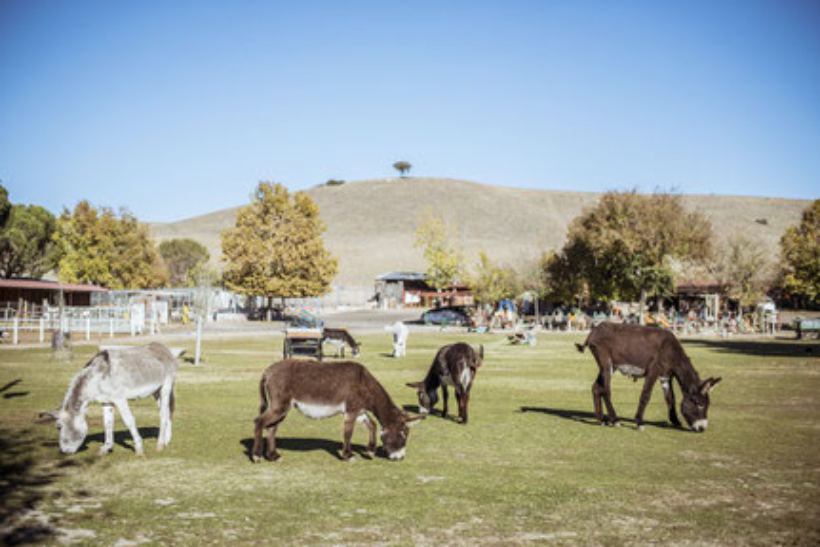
800	258
276	249
491	282
444	259
100	247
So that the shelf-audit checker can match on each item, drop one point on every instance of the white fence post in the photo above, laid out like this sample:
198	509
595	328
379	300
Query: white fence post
14	334
111	327
88	328
198	350
42	330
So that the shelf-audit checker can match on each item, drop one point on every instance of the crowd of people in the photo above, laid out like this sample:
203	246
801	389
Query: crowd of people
688	318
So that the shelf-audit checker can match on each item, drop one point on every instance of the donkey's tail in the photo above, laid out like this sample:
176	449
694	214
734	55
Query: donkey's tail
172	401
264	396
580	347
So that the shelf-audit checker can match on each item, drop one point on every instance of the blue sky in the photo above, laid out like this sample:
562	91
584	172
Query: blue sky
174	109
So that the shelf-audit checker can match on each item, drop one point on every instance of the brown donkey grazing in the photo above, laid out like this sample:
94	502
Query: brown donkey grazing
321	390
654	354
454	365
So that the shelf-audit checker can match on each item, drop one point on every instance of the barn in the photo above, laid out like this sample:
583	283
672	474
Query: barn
30	294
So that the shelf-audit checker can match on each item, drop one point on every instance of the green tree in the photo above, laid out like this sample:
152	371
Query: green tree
491	282
444	259
743	269
26	245
276	249
621	249
105	249
561	279
402	167
800	256
5	206
185	259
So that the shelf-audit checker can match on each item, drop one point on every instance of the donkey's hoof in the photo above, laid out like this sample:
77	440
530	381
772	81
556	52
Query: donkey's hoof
273	456
256	458
641	427
104	450
160	447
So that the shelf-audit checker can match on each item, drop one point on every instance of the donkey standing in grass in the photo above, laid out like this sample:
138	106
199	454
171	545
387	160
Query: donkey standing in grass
454	365
340	338
654	354
112	377
321	390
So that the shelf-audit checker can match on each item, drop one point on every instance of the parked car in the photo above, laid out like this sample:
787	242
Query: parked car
446	316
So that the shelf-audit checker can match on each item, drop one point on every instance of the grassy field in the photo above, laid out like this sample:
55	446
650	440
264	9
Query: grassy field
530	467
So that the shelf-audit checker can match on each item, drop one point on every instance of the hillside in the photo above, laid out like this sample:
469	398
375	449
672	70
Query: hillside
371	223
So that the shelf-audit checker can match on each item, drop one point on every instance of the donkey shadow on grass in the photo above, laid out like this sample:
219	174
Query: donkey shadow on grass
12	394
776	347
122	438
586	417
433	412
27	480
301	444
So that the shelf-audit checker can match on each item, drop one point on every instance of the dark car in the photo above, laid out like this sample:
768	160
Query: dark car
446	316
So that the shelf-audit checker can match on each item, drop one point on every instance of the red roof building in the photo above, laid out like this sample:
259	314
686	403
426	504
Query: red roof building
37	291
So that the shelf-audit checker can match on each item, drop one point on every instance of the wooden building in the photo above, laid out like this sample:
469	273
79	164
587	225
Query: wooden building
31	293
410	290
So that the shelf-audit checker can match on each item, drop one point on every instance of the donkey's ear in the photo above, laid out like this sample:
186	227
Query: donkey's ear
708	385
413	420
47	416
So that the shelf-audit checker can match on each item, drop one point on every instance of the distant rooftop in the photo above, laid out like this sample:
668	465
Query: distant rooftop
402	276
42	284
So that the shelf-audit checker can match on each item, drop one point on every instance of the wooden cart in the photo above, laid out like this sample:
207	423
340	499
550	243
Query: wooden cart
303	341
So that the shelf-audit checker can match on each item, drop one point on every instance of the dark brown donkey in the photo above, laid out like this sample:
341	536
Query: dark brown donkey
322	390
454	365
654	354
340	338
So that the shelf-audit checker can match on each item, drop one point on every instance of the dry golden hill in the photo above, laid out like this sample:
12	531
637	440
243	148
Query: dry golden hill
371	223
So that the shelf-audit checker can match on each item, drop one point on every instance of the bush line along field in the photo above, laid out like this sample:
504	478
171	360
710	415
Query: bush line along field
531	466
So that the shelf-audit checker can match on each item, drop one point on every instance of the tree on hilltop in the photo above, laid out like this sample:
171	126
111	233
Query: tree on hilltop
276	249
402	167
